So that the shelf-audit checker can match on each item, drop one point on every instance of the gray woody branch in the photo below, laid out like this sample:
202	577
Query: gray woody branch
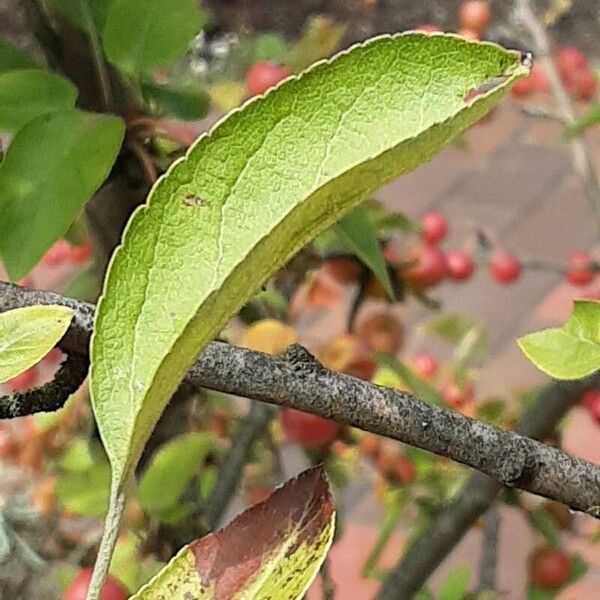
299	381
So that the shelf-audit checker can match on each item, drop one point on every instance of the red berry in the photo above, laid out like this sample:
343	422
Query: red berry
112	589
570	59
469	34
381	333
581	268
475	15
24	381
370	445
591	401
308	430
456	396
536	81
504	267
58	254
81	253
538	76
430	267
523	88
404	470
580	84
26	282
264	75
427	28
549	568
434	227
424	365
460	265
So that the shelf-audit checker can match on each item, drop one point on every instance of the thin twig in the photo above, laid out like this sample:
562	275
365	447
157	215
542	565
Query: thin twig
299	381
489	549
145	161
251	428
52	395
327	583
477	495
581	160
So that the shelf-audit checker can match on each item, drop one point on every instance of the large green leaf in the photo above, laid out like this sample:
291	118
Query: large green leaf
141	35
28	334
360	237
273	550
51	169
26	94
171	470
261	185
13	58
569	352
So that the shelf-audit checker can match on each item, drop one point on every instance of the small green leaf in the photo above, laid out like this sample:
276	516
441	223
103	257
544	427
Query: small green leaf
85	492
12	58
419	387
141	35
171	470
285	540
77	12
269	46
186	103
359	236
456	584
587	120
51	169
578	569
543	522
260	186
28	334
569	352
450	327
536	593
207	481
26	94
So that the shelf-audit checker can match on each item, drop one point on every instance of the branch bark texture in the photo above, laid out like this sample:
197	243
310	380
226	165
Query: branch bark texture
299	381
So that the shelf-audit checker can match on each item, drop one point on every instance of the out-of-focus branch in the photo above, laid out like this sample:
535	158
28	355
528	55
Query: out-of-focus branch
251	428
300	382
477	495
489	549
581	160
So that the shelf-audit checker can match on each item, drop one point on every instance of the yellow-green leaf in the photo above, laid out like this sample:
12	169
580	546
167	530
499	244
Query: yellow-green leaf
249	195
571	351
28	334
273	550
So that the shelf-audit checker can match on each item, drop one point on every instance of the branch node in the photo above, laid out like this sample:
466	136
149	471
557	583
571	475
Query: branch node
302	361
517	466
